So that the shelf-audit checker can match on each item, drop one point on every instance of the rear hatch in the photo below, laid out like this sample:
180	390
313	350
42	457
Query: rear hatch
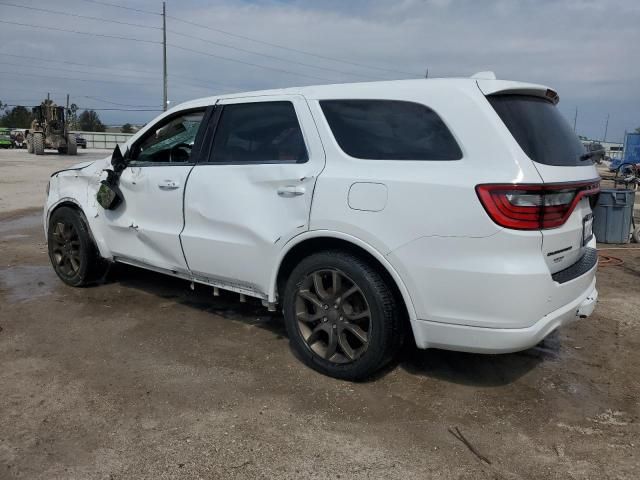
561	204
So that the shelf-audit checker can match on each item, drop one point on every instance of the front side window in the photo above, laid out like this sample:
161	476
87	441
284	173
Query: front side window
170	141
389	130
260	132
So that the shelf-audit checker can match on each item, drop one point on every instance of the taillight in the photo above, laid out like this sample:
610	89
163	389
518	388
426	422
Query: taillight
531	206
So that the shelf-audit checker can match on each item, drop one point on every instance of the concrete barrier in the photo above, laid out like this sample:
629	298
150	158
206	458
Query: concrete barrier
104	140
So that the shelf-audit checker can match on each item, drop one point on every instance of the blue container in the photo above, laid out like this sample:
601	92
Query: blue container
612	216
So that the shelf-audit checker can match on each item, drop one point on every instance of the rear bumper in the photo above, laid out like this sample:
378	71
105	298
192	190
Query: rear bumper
466	338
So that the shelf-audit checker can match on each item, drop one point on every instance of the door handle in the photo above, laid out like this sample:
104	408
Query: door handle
291	191
168	185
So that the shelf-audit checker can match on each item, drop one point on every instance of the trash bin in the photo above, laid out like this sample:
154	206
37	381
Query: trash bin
612	216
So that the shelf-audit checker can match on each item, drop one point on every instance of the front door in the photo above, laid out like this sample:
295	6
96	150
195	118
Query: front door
253	194
145	229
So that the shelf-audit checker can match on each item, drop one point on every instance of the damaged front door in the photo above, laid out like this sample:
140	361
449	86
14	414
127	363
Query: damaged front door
145	228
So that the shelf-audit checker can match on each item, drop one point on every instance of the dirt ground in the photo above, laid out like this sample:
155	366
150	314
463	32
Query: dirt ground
141	377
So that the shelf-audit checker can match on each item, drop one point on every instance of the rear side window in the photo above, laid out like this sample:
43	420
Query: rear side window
389	130
260	132
540	129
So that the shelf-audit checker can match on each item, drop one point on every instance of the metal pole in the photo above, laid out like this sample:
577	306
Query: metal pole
575	120
164	56
606	127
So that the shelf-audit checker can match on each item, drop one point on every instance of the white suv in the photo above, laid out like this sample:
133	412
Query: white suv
453	211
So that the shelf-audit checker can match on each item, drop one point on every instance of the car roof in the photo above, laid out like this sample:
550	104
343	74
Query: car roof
379	89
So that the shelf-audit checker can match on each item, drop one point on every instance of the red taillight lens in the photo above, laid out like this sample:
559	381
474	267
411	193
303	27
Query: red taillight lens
533	207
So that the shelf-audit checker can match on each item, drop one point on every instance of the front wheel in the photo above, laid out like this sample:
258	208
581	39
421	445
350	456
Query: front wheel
73	255
341	315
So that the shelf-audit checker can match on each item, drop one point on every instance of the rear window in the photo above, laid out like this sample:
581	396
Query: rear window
389	130
540	129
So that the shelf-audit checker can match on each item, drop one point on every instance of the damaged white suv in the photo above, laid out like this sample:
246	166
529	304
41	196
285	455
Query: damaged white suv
452	211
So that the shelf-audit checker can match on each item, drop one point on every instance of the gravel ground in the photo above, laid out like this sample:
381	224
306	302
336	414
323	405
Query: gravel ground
23	177
140	377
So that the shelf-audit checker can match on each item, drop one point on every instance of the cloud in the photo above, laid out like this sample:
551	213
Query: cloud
584	49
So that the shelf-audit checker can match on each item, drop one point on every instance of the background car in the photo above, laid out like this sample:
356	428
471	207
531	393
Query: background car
81	141
5	138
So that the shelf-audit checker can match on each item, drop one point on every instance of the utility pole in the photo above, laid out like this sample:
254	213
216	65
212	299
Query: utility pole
606	127
67	101
575	120
164	56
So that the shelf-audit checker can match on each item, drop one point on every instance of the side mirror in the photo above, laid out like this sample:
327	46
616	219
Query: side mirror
118	161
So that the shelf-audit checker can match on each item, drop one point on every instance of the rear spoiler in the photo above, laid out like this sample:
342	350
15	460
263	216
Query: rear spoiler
493	87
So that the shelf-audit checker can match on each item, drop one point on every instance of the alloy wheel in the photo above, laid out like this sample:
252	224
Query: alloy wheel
333	316
65	249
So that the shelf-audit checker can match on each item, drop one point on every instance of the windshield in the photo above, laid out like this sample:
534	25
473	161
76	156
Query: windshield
540	129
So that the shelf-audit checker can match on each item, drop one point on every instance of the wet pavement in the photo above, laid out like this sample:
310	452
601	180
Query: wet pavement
141	377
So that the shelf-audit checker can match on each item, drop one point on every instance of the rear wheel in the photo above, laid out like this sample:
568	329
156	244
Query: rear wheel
341	316
72	147
73	255
38	144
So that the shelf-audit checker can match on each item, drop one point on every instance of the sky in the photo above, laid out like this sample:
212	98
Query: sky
587	50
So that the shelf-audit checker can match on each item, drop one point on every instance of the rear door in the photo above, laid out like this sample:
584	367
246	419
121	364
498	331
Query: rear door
253	192
559	157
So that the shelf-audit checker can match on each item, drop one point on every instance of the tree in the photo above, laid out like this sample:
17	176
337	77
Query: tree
638	130
126	128
72	117
90	122
17	117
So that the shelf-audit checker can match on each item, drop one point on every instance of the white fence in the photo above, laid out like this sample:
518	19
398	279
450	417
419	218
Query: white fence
104	139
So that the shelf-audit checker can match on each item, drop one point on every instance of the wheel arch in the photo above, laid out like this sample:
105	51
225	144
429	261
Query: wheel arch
73	204
310	242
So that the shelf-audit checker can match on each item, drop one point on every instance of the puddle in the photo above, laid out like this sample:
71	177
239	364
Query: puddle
20	223
23	284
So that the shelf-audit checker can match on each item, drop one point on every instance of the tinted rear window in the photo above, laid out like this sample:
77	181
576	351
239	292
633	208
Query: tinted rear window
389	130
540	129
257	133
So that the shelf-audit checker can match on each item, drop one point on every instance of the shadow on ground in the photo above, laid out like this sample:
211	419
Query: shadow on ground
457	367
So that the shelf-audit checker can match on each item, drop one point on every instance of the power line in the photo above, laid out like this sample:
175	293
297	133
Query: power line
266	55
70	78
76	63
77	15
291	49
171	45
58	92
248	63
101	109
149	72
133	77
81	33
116	103
123	7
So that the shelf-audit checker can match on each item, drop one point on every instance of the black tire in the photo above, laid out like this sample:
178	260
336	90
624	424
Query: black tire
73	255
38	143
384	322
72	147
